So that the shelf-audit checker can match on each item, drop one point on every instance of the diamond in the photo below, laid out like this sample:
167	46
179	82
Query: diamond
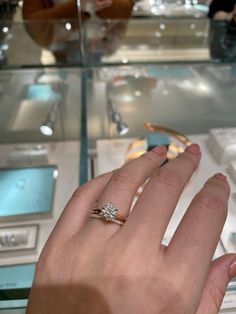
108	211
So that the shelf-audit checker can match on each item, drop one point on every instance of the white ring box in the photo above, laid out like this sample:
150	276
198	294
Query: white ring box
222	144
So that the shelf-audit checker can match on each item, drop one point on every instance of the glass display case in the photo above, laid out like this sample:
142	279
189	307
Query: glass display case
40	127
78	101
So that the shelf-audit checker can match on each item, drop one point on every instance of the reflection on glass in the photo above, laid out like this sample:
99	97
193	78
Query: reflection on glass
48	126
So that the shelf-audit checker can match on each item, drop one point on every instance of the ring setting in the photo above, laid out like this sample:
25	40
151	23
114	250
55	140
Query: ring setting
109	213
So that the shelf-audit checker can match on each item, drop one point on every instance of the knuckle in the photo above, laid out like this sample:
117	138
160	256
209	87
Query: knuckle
81	192
169	177
150	157
216	294
189	162
212	202
123	177
179	298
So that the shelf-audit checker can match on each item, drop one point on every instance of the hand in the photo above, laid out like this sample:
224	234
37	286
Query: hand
96	5
91	266
102	4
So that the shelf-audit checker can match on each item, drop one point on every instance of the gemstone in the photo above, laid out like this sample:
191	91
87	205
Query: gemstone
108	211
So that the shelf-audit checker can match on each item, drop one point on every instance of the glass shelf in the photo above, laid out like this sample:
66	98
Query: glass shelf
29	96
184	97
115	42
158	40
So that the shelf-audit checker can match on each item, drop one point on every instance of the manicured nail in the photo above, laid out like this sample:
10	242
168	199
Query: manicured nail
221	176
232	269
193	148
161	150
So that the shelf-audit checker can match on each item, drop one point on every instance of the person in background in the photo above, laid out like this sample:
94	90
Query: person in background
43	21
222	10
223	29
61	9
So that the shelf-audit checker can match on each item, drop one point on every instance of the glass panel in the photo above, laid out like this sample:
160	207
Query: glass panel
178	8
158	40
39	105
191	99
39	43
30	99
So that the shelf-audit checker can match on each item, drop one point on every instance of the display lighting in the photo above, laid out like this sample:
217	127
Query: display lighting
48	126
124	60
121	127
68	26
5	29
5	47
203	88
162	26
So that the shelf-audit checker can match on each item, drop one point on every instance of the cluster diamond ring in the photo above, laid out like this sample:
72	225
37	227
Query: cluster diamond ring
109	213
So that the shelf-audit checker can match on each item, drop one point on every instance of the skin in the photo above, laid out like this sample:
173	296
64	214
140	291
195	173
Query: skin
224	16
90	266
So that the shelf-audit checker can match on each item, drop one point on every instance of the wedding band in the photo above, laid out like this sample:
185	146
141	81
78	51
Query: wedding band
109	213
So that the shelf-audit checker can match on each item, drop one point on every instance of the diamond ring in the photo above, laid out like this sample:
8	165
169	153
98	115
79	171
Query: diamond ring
108	212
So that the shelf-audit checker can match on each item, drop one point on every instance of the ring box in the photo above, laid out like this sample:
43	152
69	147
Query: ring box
222	144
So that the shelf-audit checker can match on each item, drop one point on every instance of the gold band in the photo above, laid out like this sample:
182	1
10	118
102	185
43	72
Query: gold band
108	212
110	220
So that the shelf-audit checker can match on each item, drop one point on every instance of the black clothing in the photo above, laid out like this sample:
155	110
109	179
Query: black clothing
221	5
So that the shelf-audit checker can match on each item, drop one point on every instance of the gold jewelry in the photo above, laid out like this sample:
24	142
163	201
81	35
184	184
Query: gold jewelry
109	213
177	145
179	136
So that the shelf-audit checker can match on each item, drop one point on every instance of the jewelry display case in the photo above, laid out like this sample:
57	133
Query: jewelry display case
94	88
40	126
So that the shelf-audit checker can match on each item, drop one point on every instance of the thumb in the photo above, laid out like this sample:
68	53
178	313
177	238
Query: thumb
221	271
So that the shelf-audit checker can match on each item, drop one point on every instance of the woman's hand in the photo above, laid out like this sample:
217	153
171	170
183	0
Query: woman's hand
101	4
91	266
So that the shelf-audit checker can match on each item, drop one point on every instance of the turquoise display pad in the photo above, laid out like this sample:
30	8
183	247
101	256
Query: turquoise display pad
16	276
42	92
173	72
15	283
26	190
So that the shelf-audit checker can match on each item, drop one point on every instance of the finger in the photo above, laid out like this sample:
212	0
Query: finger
153	210
123	185
219	275
199	231
102	4
78	208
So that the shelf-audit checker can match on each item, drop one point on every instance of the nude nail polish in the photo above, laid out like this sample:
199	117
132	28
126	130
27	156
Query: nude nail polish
221	176
193	149
232	269
160	150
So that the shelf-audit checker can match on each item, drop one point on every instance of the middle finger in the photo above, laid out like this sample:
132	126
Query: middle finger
154	208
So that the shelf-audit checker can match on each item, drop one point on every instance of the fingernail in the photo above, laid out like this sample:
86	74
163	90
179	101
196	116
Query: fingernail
221	176
232	269
193	148
161	150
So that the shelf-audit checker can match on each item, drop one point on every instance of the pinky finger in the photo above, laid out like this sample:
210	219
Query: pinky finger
220	273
